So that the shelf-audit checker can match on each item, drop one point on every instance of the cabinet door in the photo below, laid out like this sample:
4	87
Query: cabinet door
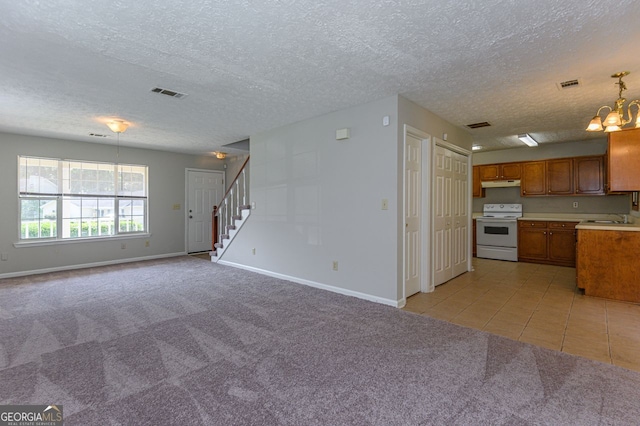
532	243
560	176
624	157
562	243
478	190
510	171
490	172
533	179
589	175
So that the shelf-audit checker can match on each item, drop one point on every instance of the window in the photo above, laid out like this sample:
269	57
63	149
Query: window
66	199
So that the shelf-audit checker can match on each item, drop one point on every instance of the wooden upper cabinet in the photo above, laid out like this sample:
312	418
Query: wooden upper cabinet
589	175
478	190
504	171
533	178
624	159
559	176
510	171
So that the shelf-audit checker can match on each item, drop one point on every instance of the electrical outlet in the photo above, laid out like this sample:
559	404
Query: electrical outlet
385	204
253	205
4	256
253	251
575	204
146	243
123	246
176	206
335	265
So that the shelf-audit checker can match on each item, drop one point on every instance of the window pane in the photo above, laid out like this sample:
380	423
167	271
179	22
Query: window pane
88	178
38	218
38	175
132	180
131	215
106	219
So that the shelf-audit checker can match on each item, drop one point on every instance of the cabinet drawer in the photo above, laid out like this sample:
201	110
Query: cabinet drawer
532	224
562	225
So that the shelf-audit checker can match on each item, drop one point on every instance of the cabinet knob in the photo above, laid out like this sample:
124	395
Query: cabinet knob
544	233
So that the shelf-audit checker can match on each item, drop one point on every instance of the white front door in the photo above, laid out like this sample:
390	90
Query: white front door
412	212
204	190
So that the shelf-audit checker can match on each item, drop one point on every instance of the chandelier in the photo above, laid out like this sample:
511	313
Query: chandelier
615	120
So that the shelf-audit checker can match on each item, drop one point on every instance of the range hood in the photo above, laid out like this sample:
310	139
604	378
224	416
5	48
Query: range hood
500	183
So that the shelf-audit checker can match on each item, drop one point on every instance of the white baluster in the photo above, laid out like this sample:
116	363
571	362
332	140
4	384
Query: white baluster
244	188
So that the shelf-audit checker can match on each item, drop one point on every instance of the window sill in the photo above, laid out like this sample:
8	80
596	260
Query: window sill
37	243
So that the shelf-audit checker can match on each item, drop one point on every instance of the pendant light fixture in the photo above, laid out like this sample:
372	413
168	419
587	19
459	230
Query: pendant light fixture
615	120
117	127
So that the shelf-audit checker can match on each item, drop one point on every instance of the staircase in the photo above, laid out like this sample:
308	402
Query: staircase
229	216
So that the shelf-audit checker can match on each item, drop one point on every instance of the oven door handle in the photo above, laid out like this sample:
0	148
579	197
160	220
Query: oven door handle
496	221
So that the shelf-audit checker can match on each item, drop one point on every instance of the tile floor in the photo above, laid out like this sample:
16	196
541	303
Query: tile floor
538	304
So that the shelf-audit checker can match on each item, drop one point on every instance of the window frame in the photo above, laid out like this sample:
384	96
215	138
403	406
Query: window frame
64	196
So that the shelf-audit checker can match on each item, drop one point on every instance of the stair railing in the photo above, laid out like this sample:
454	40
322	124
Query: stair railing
230	208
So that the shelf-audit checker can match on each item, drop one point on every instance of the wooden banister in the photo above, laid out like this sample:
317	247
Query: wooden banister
224	214
231	185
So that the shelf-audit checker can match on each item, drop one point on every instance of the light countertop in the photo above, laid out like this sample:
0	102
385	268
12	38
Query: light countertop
582	218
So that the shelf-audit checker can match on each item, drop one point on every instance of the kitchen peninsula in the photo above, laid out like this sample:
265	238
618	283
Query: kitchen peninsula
607	262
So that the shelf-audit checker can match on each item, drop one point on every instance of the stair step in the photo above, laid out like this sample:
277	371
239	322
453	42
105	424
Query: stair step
245	207
229	227
214	253
218	245
237	217
224	237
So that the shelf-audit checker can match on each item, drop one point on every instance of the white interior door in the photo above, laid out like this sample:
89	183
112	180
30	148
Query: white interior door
412	211
451	214
442	215
204	190
460	211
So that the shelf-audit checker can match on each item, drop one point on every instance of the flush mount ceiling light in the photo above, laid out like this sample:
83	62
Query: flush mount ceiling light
615	120
528	139
476	147
220	155
117	126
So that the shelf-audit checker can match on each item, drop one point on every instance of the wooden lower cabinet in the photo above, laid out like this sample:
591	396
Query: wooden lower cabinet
607	264
474	241
551	243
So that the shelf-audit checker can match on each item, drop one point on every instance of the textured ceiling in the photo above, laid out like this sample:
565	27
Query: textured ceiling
247	66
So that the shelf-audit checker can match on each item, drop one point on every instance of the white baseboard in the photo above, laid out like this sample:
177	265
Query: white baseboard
369	297
88	265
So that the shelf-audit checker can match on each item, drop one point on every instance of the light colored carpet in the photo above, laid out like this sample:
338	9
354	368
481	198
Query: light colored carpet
182	341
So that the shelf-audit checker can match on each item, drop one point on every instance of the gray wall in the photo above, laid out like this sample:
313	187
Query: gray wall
166	188
596	204
319	199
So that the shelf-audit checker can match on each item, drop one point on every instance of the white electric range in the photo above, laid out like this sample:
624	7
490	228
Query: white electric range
497	231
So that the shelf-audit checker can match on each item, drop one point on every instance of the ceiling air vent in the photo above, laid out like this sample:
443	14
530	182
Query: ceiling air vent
168	92
98	135
568	84
478	125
